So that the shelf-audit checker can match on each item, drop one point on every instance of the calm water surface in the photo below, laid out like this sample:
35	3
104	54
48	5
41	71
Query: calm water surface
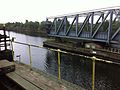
74	69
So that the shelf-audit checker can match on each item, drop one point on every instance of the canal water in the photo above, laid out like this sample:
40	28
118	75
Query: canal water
75	69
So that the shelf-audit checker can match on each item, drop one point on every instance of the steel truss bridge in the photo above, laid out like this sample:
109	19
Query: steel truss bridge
100	25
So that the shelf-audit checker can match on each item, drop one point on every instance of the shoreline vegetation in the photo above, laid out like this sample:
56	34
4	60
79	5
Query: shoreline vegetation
29	28
42	28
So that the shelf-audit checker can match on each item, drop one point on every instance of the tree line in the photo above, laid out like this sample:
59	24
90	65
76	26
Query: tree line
41	28
29	27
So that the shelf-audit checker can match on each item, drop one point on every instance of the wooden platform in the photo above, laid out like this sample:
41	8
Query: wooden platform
38	80
6	67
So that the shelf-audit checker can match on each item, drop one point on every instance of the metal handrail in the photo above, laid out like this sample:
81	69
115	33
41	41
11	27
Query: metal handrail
94	59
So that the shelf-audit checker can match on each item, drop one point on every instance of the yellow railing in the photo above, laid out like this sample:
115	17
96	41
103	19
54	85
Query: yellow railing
94	59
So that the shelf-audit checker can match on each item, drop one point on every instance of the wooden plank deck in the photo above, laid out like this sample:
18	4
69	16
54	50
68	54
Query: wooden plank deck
6	67
22	82
32	80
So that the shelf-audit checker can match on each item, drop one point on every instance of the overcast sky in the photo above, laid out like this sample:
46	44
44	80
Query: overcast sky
38	10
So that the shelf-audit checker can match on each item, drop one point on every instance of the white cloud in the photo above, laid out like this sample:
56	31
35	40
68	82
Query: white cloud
20	10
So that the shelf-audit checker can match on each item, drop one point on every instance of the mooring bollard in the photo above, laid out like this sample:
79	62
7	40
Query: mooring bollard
59	72
93	72
19	58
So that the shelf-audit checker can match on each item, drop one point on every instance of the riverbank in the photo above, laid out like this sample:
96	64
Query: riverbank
70	47
35	34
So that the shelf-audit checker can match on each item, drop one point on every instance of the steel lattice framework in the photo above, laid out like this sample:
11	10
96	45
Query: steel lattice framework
101	25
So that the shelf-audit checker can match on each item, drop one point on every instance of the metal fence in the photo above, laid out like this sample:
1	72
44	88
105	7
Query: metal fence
59	52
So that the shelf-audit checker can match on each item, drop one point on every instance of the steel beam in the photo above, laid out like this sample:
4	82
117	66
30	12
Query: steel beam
77	17
70	26
110	27
97	21
83	25
100	25
102	20
52	24
78	38
115	34
65	24
55	23
83	13
61	24
91	25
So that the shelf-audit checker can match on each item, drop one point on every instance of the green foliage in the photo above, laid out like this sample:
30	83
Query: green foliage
29	27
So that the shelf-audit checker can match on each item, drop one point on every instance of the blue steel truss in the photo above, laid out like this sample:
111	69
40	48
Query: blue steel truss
101	25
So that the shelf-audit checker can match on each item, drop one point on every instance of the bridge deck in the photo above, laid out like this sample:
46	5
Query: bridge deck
32	80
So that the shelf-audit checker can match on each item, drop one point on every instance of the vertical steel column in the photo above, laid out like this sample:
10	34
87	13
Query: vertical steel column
59	71
91	28
93	73
30	56
77	17
110	26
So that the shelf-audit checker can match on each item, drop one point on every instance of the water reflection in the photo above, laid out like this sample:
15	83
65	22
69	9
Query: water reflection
78	70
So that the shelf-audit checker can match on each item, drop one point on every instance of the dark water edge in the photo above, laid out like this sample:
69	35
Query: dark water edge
35	34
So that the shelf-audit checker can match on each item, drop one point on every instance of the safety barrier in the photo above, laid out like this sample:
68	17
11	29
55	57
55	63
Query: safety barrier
94	59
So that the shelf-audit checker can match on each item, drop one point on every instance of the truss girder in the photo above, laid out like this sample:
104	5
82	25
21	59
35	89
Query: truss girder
91	26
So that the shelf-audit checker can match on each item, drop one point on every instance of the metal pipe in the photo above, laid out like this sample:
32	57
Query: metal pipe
59	71
101	60
30	56
93	73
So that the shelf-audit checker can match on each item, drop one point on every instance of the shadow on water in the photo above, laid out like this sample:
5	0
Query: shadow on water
78	70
